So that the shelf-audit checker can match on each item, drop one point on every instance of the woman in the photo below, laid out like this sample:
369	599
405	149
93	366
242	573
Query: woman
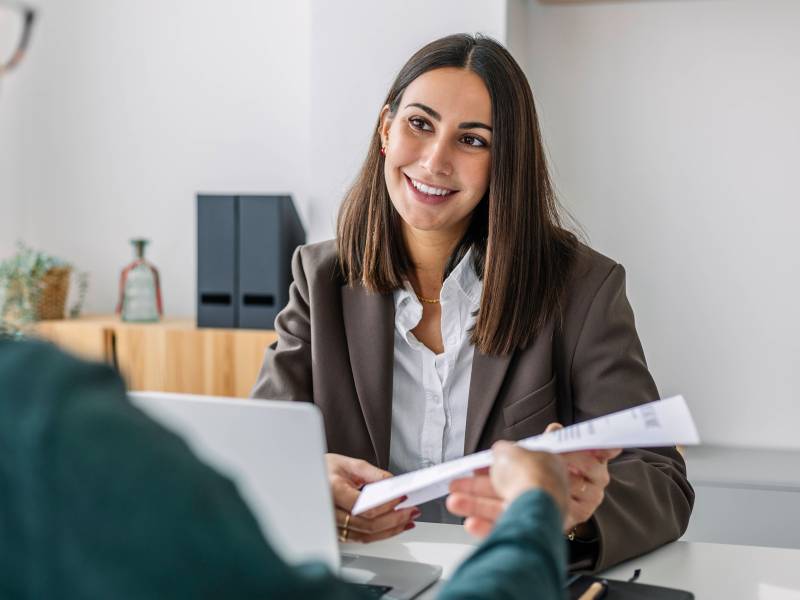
453	310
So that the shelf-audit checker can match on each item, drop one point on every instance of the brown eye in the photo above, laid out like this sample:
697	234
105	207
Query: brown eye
474	141
420	123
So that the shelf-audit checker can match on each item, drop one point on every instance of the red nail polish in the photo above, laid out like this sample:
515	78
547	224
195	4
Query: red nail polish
409	526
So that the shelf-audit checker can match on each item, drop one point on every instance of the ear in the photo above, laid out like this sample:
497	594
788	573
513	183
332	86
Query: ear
384	123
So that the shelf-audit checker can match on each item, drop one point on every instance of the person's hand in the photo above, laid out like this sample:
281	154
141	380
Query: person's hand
476	499
346	476
483	497
588	479
515	471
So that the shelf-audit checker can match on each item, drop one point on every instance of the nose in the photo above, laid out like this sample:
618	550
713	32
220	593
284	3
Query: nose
437	159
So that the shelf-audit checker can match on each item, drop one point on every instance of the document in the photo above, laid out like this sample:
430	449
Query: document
661	423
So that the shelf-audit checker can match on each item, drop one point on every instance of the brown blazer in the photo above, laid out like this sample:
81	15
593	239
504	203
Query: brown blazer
335	348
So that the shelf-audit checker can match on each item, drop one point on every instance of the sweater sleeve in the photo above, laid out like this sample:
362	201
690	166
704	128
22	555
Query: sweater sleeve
523	557
105	503
108	504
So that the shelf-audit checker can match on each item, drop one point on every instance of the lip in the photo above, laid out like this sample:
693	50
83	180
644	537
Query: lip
427	198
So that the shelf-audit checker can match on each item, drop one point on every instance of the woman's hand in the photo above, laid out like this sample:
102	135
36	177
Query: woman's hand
346	476
476	499
588	479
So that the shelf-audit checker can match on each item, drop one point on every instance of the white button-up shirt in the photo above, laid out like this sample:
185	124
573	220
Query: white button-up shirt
429	391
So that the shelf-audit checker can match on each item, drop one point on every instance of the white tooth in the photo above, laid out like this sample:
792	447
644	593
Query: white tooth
426	189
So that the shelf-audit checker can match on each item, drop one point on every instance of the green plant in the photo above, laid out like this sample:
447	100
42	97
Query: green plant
21	286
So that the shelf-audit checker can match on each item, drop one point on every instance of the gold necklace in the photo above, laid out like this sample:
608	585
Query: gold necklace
427	300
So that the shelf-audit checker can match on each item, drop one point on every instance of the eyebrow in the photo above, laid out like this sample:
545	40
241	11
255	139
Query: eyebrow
438	117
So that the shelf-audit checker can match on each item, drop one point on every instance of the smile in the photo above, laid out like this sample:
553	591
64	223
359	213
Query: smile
428	190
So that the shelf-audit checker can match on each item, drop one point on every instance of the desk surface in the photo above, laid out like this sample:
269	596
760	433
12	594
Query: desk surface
710	571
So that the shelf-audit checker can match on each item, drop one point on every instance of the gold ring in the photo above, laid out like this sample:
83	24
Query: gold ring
345	529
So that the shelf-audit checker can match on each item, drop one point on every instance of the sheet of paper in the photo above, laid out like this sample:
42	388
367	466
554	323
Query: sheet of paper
661	423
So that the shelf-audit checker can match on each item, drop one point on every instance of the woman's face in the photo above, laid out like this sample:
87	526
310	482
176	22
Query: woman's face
437	150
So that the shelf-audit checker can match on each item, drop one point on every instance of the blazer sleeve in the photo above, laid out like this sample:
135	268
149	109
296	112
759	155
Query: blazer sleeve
649	499
286	373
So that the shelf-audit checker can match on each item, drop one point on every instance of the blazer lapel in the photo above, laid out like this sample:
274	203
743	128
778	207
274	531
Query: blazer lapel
369	327
488	373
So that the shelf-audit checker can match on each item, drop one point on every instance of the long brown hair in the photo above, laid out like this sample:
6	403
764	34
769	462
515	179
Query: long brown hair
519	248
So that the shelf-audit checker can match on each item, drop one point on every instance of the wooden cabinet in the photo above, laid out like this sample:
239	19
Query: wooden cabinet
172	356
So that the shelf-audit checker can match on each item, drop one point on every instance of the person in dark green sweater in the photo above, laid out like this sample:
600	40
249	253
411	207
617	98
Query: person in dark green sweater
99	501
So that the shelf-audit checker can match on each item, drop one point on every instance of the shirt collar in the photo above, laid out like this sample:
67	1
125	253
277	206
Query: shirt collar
465	280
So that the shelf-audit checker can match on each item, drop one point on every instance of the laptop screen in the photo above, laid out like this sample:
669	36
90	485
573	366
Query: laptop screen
273	451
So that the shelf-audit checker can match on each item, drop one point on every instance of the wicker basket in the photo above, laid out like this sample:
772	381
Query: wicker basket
53	301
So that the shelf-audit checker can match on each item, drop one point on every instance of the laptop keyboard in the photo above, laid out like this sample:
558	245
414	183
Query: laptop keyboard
374	591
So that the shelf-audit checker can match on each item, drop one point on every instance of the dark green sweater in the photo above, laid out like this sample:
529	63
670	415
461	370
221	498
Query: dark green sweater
99	501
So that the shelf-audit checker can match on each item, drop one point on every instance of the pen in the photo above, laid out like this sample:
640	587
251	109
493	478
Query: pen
595	591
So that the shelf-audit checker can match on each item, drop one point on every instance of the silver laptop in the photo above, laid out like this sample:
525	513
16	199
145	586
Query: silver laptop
274	452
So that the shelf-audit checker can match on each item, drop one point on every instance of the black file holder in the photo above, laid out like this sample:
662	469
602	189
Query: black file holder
216	261
244	250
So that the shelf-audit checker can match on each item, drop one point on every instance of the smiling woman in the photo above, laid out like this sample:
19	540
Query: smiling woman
454	310
436	129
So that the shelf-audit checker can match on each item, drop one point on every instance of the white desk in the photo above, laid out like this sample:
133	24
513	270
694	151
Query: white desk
710	571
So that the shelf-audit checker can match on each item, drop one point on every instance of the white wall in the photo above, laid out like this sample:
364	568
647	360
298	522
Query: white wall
10	142
130	108
674	130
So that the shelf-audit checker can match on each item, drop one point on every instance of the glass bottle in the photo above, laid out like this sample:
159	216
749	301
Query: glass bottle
139	289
